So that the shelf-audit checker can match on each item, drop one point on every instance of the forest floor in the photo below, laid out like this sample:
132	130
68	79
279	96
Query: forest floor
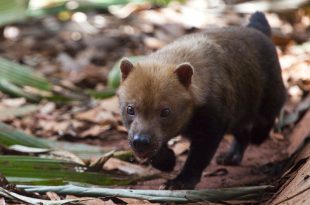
81	50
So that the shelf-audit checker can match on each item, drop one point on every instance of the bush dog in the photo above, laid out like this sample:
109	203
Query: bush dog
203	85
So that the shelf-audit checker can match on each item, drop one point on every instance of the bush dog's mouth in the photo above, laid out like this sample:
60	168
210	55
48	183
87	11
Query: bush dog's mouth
143	155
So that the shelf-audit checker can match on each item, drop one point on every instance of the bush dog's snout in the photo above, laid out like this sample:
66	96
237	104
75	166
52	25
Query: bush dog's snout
141	143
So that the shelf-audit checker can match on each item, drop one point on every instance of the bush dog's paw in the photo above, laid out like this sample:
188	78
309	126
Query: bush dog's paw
176	184
229	158
165	160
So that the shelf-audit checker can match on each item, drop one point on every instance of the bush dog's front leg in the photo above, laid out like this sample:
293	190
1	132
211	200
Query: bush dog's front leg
200	154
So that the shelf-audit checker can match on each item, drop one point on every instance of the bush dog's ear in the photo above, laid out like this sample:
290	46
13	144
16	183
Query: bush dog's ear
184	72
126	67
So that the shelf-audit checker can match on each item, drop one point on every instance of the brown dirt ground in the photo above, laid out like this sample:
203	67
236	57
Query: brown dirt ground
255	168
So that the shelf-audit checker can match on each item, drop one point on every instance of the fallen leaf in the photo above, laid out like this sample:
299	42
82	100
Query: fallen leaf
153	43
99	202
137	201
99	163
52	196
299	134
65	155
181	147
126	167
14	102
110	104
2	201
47	108
3	181
95	130
10	113
97	115
28	150
277	136
30	200
91	201
217	172
121	128
296	190
294	115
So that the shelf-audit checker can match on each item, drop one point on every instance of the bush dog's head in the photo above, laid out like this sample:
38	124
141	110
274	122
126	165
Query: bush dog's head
155	103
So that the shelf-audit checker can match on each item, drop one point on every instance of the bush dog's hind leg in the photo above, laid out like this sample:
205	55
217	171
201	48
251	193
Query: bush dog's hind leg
235	153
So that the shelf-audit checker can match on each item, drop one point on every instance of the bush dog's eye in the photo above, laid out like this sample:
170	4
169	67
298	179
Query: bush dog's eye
130	110
165	112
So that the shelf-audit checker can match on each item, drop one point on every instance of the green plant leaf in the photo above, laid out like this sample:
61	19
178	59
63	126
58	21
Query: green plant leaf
12	11
22	75
106	93
15	77
10	136
28	169
13	90
56	6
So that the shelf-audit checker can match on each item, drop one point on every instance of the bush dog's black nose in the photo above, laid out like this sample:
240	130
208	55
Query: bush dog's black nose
141	143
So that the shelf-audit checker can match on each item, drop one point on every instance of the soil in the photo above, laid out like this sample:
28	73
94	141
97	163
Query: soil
258	166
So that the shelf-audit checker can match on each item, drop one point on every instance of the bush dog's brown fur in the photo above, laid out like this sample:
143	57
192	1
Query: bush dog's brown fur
203	85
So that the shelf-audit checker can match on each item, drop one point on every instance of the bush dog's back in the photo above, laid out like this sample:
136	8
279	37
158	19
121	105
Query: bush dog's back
203	85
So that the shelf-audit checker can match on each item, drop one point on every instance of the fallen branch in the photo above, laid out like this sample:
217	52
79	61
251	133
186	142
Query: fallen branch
177	196
296	189
30	200
293	196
